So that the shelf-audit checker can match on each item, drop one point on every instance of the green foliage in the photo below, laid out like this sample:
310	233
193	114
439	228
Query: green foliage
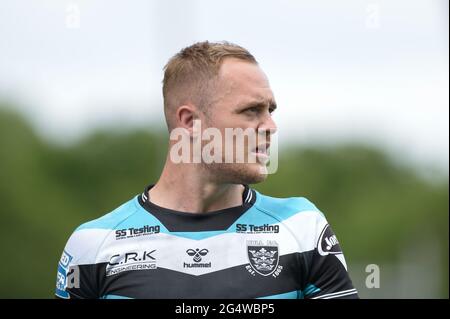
46	191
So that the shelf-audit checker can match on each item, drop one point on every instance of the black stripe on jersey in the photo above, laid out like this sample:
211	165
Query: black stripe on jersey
234	282
329	274
176	221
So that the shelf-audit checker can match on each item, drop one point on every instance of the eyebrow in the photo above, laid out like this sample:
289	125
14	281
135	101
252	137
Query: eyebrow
259	103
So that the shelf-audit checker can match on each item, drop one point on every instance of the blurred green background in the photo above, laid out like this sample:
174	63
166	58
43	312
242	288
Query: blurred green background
384	212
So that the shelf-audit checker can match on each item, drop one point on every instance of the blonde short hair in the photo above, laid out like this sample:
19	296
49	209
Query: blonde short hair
188	75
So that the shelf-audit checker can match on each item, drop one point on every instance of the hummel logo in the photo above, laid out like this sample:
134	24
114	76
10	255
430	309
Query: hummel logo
197	253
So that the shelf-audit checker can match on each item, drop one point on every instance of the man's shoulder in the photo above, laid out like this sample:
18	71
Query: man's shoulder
113	218
297	214
89	236
285	208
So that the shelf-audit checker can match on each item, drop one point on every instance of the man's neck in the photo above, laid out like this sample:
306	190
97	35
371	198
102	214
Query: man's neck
183	187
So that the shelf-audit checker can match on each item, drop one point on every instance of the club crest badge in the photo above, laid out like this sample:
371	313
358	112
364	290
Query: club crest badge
263	258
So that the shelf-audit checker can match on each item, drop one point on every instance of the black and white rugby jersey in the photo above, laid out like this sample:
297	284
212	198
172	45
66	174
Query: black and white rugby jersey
266	248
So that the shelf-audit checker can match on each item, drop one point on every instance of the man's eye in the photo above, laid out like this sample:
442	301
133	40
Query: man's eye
252	110
257	109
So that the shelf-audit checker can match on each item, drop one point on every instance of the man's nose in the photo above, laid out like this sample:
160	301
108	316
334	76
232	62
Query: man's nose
268	125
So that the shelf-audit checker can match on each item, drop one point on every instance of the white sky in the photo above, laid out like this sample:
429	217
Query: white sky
360	70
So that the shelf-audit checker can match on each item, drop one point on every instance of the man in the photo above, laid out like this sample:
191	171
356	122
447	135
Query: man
201	231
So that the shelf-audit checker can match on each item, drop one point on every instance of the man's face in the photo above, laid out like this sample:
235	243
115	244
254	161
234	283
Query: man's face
242	100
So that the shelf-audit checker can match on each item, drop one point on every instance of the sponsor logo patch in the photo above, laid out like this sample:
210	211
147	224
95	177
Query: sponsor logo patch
254	229
135	260
328	243
137	232
61	276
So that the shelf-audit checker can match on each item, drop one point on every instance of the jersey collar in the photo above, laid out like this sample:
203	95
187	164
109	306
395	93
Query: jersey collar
177	221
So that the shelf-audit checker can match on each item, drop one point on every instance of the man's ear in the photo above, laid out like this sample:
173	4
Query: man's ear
185	116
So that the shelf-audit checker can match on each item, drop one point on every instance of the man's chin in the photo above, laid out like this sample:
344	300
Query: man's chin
259	179
252	174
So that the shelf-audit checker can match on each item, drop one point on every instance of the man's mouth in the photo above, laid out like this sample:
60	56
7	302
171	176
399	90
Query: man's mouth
262	150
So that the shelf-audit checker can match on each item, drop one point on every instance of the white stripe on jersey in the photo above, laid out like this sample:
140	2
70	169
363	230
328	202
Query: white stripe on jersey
337	294
342	260
298	233
250	197
84	244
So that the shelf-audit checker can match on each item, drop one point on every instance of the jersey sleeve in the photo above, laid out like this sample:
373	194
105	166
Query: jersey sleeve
76	275
328	276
